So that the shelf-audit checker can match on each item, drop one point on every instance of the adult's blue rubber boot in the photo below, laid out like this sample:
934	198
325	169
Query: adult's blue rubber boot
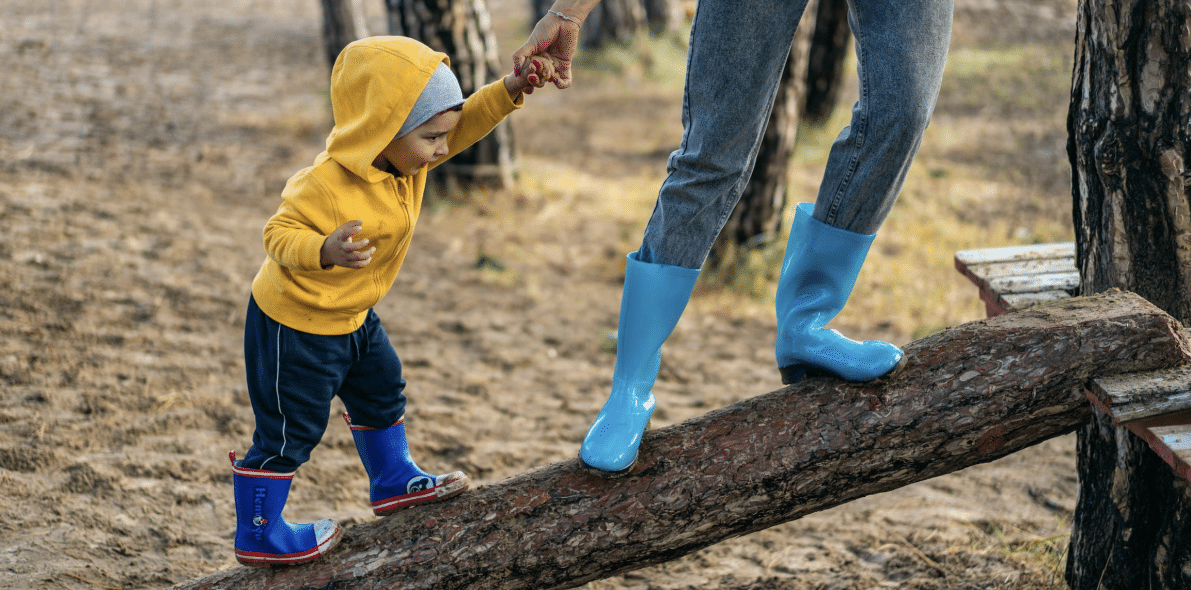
263	537
819	271
654	297
395	481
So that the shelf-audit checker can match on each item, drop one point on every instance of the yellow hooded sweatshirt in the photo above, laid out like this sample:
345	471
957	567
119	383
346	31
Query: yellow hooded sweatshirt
374	85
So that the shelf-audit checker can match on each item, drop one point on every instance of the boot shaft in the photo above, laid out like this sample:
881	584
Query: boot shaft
394	480
386	457
653	300
260	497
820	258
263	537
818	274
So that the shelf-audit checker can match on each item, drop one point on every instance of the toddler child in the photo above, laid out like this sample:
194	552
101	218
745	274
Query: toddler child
334	248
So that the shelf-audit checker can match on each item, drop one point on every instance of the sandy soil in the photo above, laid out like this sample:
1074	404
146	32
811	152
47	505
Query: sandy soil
142	147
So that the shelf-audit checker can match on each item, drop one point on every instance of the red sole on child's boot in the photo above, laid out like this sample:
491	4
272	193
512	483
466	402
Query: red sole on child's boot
447	486
251	559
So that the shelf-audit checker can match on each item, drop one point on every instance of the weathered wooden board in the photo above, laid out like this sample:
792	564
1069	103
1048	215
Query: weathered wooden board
1016	277
1139	396
1154	405
1019	277
1061	250
1173	444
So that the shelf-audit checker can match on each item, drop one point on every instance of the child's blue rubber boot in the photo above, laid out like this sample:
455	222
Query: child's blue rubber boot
820	268
263	537
654	297
396	482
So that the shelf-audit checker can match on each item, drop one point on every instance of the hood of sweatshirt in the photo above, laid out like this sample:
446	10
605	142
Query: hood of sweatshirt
374	85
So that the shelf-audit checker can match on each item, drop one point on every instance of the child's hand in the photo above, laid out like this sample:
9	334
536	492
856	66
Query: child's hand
340	250
555	38
535	74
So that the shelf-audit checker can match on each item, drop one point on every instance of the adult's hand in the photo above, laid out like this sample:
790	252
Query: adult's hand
556	39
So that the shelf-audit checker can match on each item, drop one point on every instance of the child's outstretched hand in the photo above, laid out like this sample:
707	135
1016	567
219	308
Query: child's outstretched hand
535	74
339	249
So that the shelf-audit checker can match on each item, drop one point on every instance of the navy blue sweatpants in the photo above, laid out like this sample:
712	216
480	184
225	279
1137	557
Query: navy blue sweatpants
292	377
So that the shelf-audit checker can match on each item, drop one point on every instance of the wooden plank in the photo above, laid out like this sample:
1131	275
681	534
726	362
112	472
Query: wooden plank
1014	268
1172	443
1140	396
1154	405
1016	277
1065	281
1024	300
1169	435
1008	253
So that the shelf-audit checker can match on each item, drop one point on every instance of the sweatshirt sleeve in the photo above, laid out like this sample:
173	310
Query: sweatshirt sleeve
482	112
292	236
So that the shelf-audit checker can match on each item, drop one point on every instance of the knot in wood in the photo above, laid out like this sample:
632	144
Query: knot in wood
1109	154
1171	162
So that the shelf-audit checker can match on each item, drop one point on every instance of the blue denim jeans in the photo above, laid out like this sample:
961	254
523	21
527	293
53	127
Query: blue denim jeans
292	377
737	53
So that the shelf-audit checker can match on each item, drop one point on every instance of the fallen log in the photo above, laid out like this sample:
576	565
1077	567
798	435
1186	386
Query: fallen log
968	395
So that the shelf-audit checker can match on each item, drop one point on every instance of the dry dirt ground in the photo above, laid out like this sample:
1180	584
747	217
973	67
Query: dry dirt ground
142	146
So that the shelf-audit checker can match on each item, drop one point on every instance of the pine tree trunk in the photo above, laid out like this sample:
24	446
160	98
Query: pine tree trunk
462	29
1128	135
343	22
613	21
620	20
830	46
757	217
663	15
537	9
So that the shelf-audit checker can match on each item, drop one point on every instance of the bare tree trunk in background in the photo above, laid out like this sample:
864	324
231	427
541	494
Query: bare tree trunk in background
620	20
1128	131
757	218
343	22
462	29
830	46
663	16
613	21
537	9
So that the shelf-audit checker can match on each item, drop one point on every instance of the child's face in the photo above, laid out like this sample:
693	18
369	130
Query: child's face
425	144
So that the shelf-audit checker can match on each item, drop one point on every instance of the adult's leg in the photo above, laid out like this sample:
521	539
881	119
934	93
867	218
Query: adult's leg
736	57
901	48
734	65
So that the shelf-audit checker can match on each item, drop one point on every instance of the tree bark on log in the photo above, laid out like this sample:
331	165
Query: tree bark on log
1129	129
968	395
